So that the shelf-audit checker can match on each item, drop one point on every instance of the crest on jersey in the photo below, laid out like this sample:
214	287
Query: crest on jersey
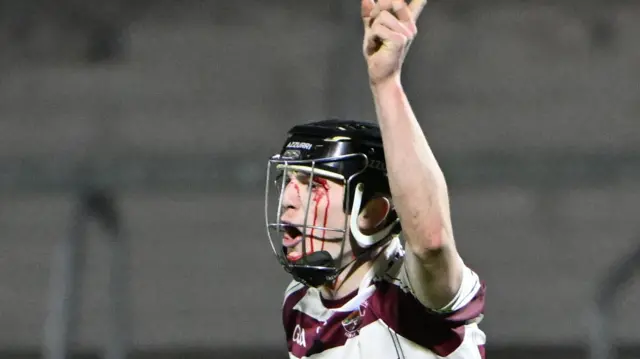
352	322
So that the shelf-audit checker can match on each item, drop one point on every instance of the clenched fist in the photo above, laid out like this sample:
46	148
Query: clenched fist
389	28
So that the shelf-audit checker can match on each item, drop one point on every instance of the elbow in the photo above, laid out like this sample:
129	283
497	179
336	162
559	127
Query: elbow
430	244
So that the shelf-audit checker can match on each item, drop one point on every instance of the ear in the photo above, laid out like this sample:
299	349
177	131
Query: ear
373	215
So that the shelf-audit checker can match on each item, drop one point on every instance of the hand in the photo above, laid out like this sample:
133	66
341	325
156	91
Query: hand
389	29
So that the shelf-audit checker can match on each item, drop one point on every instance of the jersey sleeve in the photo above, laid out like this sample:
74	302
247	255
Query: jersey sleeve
441	330
466	306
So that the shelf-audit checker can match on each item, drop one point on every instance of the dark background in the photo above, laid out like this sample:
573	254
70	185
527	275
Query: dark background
174	106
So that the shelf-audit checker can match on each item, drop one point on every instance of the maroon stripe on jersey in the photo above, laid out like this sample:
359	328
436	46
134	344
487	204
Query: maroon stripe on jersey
319	336
288	317
306	335
442	333
481	350
471	310
401	311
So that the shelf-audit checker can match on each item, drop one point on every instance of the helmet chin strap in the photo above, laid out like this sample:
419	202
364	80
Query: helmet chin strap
365	241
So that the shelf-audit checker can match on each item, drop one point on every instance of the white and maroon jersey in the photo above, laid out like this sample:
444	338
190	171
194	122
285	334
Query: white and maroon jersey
384	320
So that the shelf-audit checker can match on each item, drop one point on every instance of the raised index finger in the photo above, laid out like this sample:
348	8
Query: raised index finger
416	7
367	7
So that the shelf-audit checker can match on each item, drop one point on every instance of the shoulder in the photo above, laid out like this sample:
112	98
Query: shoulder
292	295
441	330
293	288
466	306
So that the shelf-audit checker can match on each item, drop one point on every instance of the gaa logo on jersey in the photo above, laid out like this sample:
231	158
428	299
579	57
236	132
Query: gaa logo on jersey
299	336
352	322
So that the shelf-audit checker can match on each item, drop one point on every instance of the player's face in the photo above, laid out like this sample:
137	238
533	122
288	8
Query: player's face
321	202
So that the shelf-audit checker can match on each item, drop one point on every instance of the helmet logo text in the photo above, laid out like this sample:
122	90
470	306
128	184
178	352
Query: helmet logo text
300	145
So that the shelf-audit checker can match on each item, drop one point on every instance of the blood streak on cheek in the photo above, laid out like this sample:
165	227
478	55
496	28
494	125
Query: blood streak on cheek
316	198
326	216
319	194
322	193
297	188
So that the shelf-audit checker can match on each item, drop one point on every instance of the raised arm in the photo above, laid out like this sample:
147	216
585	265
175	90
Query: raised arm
418	187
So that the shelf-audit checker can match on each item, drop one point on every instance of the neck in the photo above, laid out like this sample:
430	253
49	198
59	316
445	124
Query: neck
348	281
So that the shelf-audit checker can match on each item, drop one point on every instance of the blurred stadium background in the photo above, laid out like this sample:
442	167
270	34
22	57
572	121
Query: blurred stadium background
173	108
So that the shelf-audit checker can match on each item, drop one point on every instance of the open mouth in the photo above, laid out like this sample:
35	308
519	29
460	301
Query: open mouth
292	236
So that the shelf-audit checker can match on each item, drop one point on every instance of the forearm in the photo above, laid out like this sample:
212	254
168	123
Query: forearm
418	186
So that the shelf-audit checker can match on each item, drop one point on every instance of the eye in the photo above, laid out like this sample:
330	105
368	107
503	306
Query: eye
320	182
277	182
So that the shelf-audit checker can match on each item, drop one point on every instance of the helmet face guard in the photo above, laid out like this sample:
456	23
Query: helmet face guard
317	267
353	159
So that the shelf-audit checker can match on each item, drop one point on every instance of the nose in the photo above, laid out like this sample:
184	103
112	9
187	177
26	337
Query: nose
287	207
290	197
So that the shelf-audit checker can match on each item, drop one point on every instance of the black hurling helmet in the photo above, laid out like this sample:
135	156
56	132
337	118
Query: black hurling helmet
347	152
